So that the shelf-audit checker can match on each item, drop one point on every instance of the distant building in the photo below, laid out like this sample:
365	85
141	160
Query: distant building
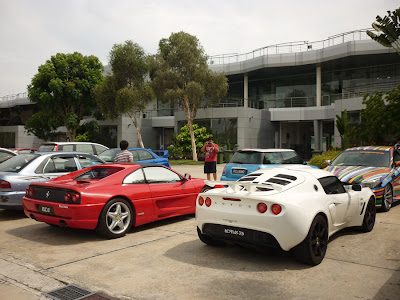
281	96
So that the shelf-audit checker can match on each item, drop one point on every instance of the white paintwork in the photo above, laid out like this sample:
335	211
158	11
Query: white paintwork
301	200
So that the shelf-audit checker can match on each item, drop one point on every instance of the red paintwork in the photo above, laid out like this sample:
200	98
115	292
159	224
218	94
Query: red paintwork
151	202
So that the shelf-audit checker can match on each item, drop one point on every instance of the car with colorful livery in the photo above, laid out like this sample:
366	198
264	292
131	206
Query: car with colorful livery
376	167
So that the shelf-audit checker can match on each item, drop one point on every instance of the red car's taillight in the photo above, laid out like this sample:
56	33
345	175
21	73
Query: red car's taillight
276	209
75	198
262	207
201	201
5	184
208	202
29	192
67	197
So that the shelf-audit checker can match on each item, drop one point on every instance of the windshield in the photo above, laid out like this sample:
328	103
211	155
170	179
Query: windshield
247	157
17	163
266	158
109	155
98	173
368	158
47	147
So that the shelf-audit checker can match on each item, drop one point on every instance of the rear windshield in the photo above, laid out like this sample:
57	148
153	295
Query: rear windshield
47	147
98	173
17	163
266	158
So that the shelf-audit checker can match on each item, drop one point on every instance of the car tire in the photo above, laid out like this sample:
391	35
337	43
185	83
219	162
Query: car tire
116	219
209	240
387	198
369	216
312	250
206	188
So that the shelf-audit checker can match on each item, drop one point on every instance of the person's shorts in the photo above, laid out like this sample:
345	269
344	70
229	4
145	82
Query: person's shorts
210	167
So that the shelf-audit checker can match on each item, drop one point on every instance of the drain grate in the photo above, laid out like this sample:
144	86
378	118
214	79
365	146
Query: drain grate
69	292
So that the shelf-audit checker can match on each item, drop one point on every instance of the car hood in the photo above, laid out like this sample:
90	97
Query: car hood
354	174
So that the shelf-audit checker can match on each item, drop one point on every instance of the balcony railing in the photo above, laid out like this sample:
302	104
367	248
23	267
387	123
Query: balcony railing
292	47
14	97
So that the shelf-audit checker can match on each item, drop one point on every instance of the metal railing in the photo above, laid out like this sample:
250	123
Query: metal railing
291	47
14	97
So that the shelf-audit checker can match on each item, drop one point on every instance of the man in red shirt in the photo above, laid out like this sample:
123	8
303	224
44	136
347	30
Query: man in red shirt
210	166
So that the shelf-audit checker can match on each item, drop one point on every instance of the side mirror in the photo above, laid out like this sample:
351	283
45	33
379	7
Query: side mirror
328	162
304	162
188	176
356	187
166	153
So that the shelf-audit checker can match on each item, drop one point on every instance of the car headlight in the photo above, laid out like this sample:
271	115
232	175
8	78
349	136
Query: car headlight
372	183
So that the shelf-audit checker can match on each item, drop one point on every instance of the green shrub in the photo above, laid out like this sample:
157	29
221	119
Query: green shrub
319	160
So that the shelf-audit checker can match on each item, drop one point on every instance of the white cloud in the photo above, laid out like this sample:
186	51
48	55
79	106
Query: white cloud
32	31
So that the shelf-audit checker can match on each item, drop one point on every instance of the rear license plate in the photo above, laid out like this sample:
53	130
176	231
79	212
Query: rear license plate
239	171
48	210
229	231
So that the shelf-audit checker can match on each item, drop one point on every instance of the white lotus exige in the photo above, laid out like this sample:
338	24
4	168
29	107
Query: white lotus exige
295	208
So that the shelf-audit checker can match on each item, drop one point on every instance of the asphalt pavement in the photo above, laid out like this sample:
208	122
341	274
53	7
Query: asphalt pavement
166	260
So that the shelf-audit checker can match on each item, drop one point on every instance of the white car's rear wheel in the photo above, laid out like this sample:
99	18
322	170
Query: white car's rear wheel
369	216
312	250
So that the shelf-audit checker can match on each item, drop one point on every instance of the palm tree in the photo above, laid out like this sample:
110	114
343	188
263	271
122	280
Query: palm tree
389	29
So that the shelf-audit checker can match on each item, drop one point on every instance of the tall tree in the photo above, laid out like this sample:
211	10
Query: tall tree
389	29
182	75
380	118
126	90
43	125
62	89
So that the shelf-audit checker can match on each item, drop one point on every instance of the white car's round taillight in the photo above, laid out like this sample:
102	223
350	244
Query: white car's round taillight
262	207
276	209
201	201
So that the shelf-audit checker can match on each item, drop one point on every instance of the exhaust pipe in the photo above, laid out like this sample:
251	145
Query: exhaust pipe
63	224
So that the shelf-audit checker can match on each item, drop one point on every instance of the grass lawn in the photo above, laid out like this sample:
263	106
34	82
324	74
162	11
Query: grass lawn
185	162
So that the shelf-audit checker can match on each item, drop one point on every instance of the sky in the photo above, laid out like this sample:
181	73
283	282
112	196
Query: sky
31	31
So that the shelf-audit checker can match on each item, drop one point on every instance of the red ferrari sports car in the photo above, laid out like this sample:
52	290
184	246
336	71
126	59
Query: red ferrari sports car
111	198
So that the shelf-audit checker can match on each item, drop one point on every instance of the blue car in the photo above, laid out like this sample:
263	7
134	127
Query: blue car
249	160
141	155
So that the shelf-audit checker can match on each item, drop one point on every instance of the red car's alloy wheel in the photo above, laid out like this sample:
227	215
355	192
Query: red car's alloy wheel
116	218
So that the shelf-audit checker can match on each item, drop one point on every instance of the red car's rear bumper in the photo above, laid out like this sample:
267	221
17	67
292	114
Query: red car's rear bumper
76	216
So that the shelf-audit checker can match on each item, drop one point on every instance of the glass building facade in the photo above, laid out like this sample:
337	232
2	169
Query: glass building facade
296	87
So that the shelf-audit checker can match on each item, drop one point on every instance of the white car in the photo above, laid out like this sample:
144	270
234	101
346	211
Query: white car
295	208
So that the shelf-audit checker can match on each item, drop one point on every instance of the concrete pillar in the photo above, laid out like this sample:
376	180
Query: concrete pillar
318	123
318	135
246	90
318	87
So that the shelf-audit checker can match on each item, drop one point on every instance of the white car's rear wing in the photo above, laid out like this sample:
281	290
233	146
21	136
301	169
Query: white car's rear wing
249	186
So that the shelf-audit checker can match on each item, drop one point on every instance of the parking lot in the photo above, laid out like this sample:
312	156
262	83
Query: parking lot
166	260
